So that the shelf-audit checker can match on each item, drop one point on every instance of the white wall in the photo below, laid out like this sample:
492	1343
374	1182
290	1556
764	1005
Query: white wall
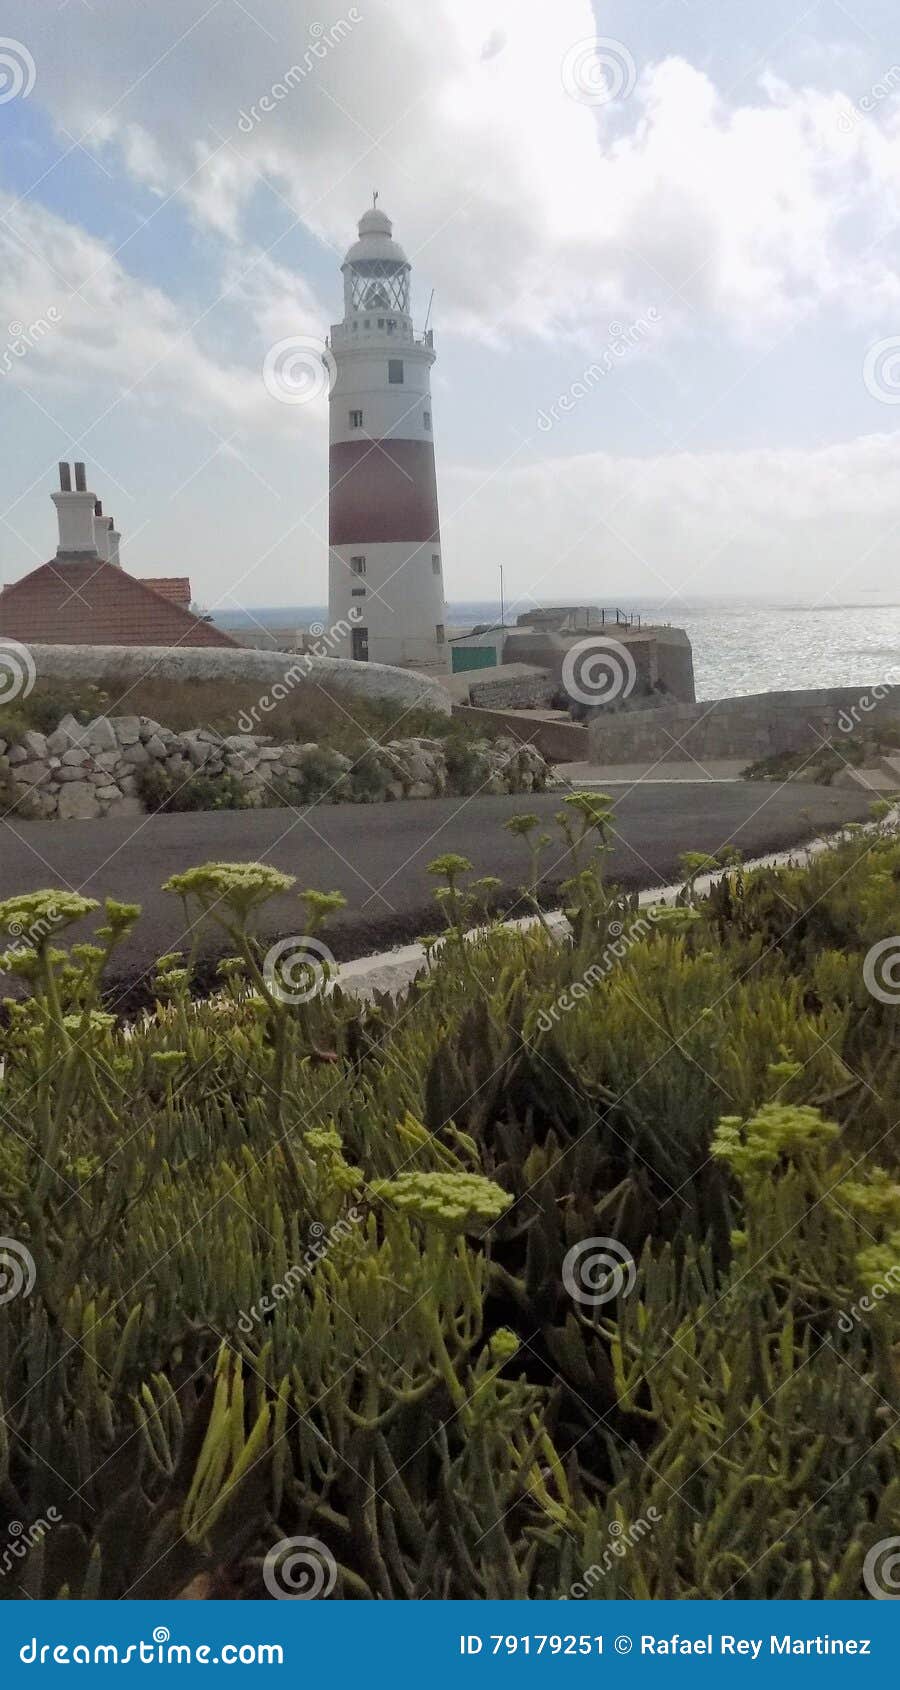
361	383
185	663
402	603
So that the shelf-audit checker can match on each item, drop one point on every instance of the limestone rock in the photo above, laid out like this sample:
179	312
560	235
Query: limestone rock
134	754
78	802
102	735
32	774
125	806
35	744
75	733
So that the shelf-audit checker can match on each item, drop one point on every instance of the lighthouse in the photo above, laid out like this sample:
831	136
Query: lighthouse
386	585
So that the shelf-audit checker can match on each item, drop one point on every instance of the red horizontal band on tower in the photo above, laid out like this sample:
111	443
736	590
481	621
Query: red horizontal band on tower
382	491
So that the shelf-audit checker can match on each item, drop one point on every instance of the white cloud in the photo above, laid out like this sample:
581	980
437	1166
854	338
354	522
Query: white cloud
531	211
113	335
817	523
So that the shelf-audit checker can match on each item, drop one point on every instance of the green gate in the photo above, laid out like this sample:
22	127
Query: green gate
474	657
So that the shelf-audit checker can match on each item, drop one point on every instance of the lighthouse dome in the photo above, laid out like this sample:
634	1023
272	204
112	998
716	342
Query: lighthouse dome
376	240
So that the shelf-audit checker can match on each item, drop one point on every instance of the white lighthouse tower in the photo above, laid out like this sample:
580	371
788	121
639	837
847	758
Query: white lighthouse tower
385	574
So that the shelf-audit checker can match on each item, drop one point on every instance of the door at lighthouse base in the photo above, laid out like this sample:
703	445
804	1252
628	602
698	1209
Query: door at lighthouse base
361	645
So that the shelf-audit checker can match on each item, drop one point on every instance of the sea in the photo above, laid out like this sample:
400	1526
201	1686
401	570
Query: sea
740	645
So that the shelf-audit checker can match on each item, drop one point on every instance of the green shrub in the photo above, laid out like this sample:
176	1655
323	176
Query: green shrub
467	769
160	790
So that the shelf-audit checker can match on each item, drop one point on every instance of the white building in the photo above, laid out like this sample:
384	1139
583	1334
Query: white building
385	573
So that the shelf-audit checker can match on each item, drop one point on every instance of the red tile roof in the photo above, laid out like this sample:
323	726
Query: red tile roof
175	588
82	601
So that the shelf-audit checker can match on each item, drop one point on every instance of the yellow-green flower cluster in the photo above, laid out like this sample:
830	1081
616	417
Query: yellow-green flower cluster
453	1202
777	1130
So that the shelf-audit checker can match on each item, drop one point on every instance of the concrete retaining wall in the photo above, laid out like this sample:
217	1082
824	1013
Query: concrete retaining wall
515	687
760	725
268	669
559	742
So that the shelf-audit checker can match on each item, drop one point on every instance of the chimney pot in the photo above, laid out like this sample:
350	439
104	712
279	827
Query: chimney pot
78	525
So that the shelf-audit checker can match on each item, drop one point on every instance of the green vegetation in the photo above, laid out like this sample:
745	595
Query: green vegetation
307	1269
325	713
819	766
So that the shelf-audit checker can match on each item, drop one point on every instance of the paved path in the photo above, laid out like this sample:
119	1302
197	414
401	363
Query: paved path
377	854
665	770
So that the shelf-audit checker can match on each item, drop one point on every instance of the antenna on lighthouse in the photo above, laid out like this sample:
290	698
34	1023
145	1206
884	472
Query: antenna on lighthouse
428	312
375	199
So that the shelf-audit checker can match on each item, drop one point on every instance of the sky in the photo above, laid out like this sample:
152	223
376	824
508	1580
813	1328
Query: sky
663	241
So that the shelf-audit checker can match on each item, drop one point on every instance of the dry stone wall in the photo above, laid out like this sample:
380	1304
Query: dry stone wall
81	772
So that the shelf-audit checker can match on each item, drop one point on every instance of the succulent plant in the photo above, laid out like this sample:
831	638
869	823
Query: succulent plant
271	1294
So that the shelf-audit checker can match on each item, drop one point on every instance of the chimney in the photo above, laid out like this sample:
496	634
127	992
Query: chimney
113	543
101	531
75	512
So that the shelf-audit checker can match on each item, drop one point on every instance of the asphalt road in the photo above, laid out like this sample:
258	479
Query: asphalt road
377	855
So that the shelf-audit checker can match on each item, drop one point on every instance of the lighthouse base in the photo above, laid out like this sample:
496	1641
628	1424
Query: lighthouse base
386	605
